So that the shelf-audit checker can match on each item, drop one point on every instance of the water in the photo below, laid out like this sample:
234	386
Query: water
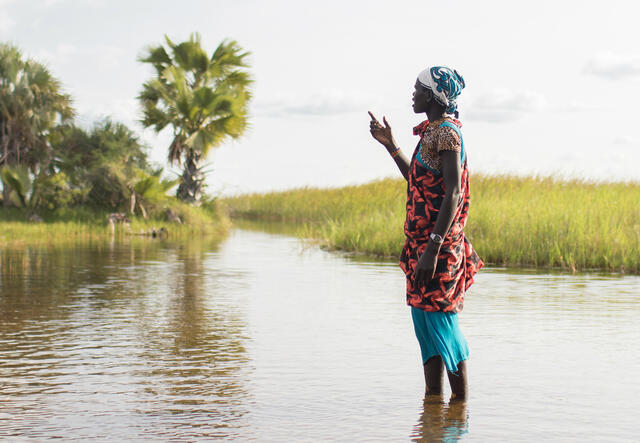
261	338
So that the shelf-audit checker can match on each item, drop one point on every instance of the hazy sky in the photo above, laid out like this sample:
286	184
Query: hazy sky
552	86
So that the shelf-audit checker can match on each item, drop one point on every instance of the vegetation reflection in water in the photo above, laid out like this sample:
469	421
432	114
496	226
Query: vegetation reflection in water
85	327
262	338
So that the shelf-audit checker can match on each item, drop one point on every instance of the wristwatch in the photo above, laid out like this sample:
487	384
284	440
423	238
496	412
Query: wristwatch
436	238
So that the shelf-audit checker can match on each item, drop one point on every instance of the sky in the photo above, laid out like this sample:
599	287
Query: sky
551	86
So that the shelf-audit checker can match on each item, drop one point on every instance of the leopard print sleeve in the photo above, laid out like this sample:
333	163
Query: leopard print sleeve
447	140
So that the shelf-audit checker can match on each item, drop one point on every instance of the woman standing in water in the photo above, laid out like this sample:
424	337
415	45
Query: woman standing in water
437	259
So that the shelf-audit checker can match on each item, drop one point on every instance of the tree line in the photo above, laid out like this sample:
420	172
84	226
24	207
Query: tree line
48	162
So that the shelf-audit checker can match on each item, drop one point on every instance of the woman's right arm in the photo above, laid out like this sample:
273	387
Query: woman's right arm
383	135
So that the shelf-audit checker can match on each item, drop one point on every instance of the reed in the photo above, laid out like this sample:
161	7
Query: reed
513	221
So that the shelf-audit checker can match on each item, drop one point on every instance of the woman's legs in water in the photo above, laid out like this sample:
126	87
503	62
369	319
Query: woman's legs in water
441	341
434	375
458	382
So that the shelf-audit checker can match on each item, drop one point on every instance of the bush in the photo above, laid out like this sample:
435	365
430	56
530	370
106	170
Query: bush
53	192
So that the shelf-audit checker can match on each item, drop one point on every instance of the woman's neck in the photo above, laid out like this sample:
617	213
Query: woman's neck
434	113
434	116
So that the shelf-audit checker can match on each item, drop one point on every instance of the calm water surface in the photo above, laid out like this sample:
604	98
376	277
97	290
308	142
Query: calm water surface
260	338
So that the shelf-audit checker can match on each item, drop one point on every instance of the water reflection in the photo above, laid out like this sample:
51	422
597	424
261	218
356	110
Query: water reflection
123	336
260	338
441	421
197	364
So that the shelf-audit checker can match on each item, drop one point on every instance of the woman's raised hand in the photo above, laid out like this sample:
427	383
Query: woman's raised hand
381	133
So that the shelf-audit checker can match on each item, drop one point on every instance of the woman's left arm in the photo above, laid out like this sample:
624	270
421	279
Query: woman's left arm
451	174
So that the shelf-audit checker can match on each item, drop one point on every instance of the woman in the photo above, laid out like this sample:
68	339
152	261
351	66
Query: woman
437	259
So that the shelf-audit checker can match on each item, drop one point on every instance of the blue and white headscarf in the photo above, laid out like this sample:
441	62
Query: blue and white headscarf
446	85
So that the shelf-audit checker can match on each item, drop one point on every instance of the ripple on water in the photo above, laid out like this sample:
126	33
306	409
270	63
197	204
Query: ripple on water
258	338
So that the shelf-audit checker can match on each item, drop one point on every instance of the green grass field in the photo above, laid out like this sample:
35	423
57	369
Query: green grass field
80	224
532	222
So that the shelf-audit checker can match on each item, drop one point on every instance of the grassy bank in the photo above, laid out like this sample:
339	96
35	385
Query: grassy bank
514	221
78	224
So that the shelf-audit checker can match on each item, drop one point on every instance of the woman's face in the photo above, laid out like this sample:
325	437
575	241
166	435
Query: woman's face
421	98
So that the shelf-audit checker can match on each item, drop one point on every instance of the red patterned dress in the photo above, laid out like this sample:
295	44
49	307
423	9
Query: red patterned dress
457	261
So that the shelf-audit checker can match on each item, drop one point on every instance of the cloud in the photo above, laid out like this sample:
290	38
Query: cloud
103	56
61	54
126	111
52	3
6	22
327	102
108	56
502	105
574	106
613	65
625	140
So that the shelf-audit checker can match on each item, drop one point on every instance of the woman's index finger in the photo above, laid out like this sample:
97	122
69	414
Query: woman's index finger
373	117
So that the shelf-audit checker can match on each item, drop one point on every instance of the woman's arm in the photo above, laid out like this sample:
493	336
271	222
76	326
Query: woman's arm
383	135
451	174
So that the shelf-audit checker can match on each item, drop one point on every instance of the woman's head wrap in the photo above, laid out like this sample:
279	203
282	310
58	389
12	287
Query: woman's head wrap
446	85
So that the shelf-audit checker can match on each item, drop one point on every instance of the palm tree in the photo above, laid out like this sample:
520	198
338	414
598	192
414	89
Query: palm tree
150	190
204	99
31	107
20	184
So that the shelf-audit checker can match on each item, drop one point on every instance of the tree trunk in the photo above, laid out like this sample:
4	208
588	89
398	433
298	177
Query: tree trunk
132	203
190	189
4	136
142	210
5	157
6	190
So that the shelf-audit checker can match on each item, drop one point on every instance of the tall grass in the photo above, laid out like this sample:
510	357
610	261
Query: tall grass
514	221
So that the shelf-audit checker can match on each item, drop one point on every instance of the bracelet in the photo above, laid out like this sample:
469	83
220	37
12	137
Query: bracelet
436	238
395	153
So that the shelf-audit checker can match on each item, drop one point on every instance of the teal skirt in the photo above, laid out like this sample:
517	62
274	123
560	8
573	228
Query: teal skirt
439	334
